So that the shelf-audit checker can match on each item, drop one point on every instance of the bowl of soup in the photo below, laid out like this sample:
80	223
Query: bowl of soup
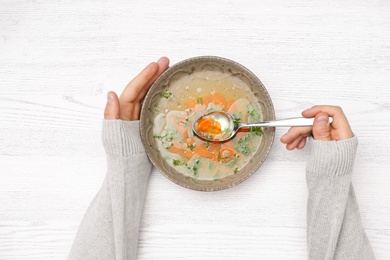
188	90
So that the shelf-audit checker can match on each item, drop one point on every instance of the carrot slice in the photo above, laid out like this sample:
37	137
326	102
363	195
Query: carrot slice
217	98
209	151
191	103
182	152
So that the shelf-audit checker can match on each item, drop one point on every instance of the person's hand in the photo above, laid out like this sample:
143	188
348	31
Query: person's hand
128	105
321	129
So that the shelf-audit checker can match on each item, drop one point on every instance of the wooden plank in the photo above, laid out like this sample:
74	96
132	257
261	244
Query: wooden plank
58	59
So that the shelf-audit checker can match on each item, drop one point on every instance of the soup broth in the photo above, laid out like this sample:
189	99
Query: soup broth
191	96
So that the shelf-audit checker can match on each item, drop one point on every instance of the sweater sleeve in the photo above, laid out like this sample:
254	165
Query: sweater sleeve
334	227
109	229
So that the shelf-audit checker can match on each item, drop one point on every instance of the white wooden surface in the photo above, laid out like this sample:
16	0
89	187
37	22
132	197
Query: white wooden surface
58	58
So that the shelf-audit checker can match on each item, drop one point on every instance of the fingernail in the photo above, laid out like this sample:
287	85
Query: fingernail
110	100
322	121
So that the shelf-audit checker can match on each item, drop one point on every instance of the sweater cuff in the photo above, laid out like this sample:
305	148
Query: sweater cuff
332	158
121	138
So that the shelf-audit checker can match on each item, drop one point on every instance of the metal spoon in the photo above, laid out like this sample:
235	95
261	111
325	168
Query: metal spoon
228	125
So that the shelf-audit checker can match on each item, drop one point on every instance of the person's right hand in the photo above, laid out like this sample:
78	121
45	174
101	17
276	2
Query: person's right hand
339	129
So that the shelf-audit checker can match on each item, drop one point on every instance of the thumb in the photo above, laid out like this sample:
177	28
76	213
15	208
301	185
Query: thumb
112	107
321	127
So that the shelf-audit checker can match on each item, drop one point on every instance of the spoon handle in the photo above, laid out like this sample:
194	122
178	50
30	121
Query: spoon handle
295	121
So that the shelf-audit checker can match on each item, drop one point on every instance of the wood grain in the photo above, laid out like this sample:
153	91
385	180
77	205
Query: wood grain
59	58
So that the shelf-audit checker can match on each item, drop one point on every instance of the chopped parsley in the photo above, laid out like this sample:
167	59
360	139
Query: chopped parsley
195	167
257	130
245	150
166	94
251	109
166	137
243	143
191	147
253	113
236	120
200	101
156	136
179	163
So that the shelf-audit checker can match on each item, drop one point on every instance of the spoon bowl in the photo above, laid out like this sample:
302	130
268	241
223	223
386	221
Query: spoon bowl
222	126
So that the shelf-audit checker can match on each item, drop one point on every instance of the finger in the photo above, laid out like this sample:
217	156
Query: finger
321	127
132	90
302	143
163	64
330	110
294	132
112	107
136	111
163	61
333	111
294	144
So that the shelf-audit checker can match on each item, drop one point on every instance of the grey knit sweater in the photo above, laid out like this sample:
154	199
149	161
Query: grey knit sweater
109	229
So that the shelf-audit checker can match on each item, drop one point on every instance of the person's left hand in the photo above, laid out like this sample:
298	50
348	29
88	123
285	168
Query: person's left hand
128	105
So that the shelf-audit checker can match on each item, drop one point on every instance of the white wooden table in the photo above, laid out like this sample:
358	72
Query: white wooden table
58	59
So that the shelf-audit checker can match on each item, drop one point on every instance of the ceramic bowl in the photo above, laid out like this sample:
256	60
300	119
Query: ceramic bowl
183	69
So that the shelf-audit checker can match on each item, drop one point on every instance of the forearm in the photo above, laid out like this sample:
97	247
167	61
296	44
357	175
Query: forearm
109	229
334	228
